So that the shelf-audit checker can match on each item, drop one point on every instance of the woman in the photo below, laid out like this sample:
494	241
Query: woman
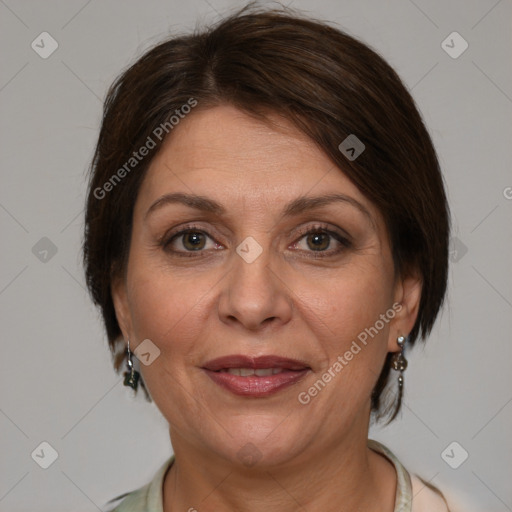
267	233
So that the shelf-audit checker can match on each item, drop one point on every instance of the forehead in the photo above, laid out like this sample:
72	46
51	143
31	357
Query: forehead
225	154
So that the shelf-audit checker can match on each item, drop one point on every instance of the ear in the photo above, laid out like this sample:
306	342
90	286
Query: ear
407	295
122	306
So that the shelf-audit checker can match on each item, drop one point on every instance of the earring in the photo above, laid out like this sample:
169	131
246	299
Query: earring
399	363
131	377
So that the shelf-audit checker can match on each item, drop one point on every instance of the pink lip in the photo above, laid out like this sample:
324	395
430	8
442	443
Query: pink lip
293	371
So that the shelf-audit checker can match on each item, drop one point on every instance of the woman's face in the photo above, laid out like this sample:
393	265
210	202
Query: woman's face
247	280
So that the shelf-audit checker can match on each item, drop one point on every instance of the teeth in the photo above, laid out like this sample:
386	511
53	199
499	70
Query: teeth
247	372
263	372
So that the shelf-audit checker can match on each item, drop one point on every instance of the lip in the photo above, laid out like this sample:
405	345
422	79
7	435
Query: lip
242	361
293	371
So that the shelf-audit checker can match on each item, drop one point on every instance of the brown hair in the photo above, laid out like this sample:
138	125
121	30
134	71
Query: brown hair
329	84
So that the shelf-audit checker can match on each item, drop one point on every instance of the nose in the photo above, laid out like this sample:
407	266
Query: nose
254	296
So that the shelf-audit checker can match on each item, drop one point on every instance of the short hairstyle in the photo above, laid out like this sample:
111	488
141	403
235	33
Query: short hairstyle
329	85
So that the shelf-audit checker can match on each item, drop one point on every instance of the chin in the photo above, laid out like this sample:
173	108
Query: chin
262	441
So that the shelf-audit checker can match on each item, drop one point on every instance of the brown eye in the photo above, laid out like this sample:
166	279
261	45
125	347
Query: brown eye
188	241
193	240
318	241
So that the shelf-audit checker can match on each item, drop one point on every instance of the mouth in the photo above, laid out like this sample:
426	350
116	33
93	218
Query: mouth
255	376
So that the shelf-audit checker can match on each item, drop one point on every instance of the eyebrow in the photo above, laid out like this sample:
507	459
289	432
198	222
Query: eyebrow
295	207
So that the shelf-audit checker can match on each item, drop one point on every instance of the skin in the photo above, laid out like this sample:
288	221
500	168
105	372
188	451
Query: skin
290	302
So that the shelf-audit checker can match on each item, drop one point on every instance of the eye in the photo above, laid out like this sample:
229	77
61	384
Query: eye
188	240
319	239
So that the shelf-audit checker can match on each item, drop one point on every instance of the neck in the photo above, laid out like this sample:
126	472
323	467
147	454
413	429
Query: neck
343	477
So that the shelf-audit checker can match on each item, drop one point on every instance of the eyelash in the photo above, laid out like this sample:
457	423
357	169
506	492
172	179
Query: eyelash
166	241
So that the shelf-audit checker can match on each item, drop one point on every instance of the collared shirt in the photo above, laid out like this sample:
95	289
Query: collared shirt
412	493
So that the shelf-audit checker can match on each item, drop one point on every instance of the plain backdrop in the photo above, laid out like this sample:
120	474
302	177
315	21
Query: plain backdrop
57	384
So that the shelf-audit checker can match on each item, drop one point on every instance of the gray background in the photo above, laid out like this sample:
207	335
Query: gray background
56	380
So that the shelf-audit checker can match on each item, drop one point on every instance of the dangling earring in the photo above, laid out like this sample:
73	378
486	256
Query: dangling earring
399	363
131	377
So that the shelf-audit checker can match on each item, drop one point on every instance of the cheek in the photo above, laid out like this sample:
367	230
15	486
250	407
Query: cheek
168	312
153	306
162	309
170	308
349	303
353	334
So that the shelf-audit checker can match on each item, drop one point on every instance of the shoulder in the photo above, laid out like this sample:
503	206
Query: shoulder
426	497
413	493
148	498
135	501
